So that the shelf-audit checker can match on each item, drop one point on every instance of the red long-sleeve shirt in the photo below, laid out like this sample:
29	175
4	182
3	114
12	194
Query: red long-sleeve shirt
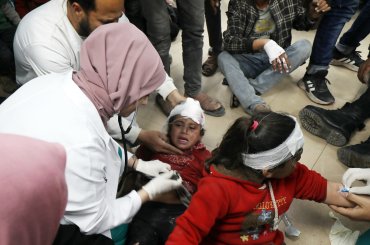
226	210
190	165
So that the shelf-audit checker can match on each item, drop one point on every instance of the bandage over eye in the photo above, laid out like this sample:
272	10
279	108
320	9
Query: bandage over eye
190	108
274	157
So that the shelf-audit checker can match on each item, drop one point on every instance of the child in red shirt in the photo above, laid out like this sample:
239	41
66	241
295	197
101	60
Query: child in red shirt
252	178
156	219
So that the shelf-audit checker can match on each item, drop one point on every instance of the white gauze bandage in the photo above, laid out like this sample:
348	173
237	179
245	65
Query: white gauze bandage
273	50
190	108
271	158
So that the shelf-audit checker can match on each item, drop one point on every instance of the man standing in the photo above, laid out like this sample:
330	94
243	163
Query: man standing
49	39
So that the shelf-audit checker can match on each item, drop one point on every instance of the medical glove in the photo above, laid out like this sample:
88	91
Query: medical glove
152	168
163	183
353	174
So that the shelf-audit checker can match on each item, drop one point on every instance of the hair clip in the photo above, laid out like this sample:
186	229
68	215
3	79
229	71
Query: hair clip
253	126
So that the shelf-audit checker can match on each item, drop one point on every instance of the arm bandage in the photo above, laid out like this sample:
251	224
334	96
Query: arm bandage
273	50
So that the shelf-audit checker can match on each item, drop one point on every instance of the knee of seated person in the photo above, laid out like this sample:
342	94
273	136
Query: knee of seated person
306	47
224	59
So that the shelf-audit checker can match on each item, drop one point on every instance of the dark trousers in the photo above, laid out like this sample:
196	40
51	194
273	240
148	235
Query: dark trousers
71	235
359	29
153	223
213	22
361	106
152	18
7	65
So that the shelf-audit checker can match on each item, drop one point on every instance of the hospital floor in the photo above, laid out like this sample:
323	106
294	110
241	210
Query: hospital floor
311	218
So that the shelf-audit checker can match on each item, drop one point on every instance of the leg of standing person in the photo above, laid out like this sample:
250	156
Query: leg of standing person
133	13
248	74
213	22
314	81
7	65
158	28
336	126
191	20
358	156
345	53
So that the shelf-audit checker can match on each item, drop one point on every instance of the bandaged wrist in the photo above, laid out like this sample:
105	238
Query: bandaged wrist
273	50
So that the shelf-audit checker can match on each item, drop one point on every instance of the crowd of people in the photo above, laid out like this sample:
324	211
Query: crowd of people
75	73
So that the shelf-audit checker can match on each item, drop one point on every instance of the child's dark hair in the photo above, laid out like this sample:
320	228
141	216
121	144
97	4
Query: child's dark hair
170	121
272	130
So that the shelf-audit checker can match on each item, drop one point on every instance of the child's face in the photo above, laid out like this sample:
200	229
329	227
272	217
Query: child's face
286	168
185	133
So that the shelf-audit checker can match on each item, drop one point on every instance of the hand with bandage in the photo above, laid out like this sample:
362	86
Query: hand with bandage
277	57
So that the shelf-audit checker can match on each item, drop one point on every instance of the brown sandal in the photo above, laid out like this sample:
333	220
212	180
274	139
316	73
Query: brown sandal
207	103
210	66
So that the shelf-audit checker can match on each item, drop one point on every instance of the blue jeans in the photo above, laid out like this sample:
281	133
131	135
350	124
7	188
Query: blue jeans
328	32
191	18
358	31
249	73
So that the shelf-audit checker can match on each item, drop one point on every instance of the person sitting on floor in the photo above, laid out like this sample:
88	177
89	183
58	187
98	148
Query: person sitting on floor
257	43
252	179
185	128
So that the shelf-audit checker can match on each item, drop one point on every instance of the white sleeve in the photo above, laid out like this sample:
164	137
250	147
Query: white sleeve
92	176
123	19
167	87
114	130
44	60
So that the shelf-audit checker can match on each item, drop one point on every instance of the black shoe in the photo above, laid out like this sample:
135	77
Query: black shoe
234	102
335	126
355	156
351	61
315	87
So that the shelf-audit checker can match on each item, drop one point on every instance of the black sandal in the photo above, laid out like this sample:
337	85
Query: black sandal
234	102
210	66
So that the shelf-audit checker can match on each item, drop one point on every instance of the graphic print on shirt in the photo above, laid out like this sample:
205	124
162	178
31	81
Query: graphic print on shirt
260	221
264	26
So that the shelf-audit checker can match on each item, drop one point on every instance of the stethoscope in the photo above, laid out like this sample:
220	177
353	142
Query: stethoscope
124	132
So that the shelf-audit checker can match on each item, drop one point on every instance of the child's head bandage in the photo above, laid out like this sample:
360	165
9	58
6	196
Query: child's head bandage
190	108
271	158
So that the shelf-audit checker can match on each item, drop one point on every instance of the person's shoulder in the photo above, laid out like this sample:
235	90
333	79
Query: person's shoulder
41	22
